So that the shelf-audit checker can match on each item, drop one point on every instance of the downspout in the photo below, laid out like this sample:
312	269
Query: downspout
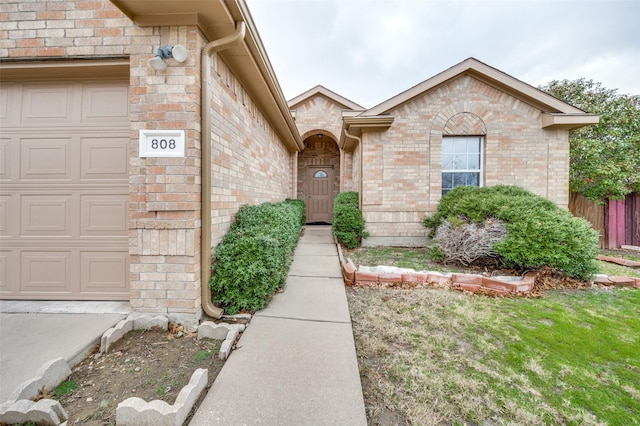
205	167
359	139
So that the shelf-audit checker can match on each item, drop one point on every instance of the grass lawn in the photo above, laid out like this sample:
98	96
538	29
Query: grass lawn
429	356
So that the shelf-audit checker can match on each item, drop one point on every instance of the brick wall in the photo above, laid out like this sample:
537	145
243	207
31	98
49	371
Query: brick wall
319	113
60	28
249	162
402	166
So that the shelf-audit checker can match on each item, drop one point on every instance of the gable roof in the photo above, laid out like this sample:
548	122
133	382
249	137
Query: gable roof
321	90
498	79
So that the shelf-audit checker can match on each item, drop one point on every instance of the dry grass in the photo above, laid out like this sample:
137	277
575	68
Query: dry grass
435	357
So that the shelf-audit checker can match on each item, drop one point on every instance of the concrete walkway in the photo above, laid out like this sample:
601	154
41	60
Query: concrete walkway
296	362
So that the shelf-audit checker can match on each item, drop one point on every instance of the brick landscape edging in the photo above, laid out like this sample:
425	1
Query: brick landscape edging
465	282
469	282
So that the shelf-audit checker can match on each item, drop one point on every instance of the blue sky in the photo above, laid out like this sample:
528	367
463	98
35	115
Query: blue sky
371	50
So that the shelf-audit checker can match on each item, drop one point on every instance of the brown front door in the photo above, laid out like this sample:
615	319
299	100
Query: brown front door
320	194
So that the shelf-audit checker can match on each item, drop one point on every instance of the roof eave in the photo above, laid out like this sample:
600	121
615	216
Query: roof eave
568	121
358	125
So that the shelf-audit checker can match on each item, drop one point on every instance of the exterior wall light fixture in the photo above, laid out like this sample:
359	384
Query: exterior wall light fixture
319	135
177	52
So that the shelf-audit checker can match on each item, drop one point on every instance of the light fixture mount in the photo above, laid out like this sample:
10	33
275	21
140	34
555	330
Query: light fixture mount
177	52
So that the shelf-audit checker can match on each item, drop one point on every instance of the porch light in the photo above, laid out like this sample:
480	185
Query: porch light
177	52
319	135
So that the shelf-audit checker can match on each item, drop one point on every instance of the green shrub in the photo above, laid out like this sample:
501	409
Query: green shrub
252	260
539	233
300	206
348	223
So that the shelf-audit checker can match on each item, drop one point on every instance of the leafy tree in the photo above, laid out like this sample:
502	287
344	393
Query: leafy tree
605	158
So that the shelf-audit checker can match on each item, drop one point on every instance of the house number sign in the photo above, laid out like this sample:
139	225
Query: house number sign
162	143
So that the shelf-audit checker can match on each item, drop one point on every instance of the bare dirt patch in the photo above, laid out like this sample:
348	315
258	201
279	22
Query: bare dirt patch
145	364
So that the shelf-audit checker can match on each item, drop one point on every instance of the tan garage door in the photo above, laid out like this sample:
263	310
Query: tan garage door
64	189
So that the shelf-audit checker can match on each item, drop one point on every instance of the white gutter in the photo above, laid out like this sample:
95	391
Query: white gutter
205	177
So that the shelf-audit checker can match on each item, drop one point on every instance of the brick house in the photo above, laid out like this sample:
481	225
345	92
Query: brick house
112	191
88	211
469	125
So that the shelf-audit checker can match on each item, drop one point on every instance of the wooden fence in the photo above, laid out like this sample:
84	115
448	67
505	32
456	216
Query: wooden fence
617	221
593	212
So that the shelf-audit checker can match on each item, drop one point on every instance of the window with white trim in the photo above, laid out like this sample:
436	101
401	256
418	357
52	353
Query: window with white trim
461	162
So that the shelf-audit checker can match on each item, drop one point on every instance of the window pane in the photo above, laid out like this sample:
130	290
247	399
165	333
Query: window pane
459	179
320	174
460	162
473	179
447	162
473	161
447	180
473	145
460	146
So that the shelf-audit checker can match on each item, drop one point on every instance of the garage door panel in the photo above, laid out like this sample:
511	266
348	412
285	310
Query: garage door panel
10	103
104	103
104	273
104	215
9	265
47	272
46	158
8	215
4	104
6	171
47	215
47	104
105	158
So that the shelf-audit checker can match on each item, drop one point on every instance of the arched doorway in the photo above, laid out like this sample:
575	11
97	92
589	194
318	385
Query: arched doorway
319	176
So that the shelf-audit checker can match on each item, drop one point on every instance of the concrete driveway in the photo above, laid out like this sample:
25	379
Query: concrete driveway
33	333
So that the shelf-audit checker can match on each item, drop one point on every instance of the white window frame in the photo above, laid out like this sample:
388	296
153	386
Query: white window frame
480	170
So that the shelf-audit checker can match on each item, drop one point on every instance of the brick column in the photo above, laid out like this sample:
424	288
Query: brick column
165	208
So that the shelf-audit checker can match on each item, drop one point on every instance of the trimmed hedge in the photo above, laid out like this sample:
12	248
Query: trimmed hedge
252	260
300	206
348	223
539	233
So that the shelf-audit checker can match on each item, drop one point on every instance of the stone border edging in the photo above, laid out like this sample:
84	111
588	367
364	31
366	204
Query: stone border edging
21	409
468	282
46	412
502	285
619	261
50	375
136	411
132	322
221	331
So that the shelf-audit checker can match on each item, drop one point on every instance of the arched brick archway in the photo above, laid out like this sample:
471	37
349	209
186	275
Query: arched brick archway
319	175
